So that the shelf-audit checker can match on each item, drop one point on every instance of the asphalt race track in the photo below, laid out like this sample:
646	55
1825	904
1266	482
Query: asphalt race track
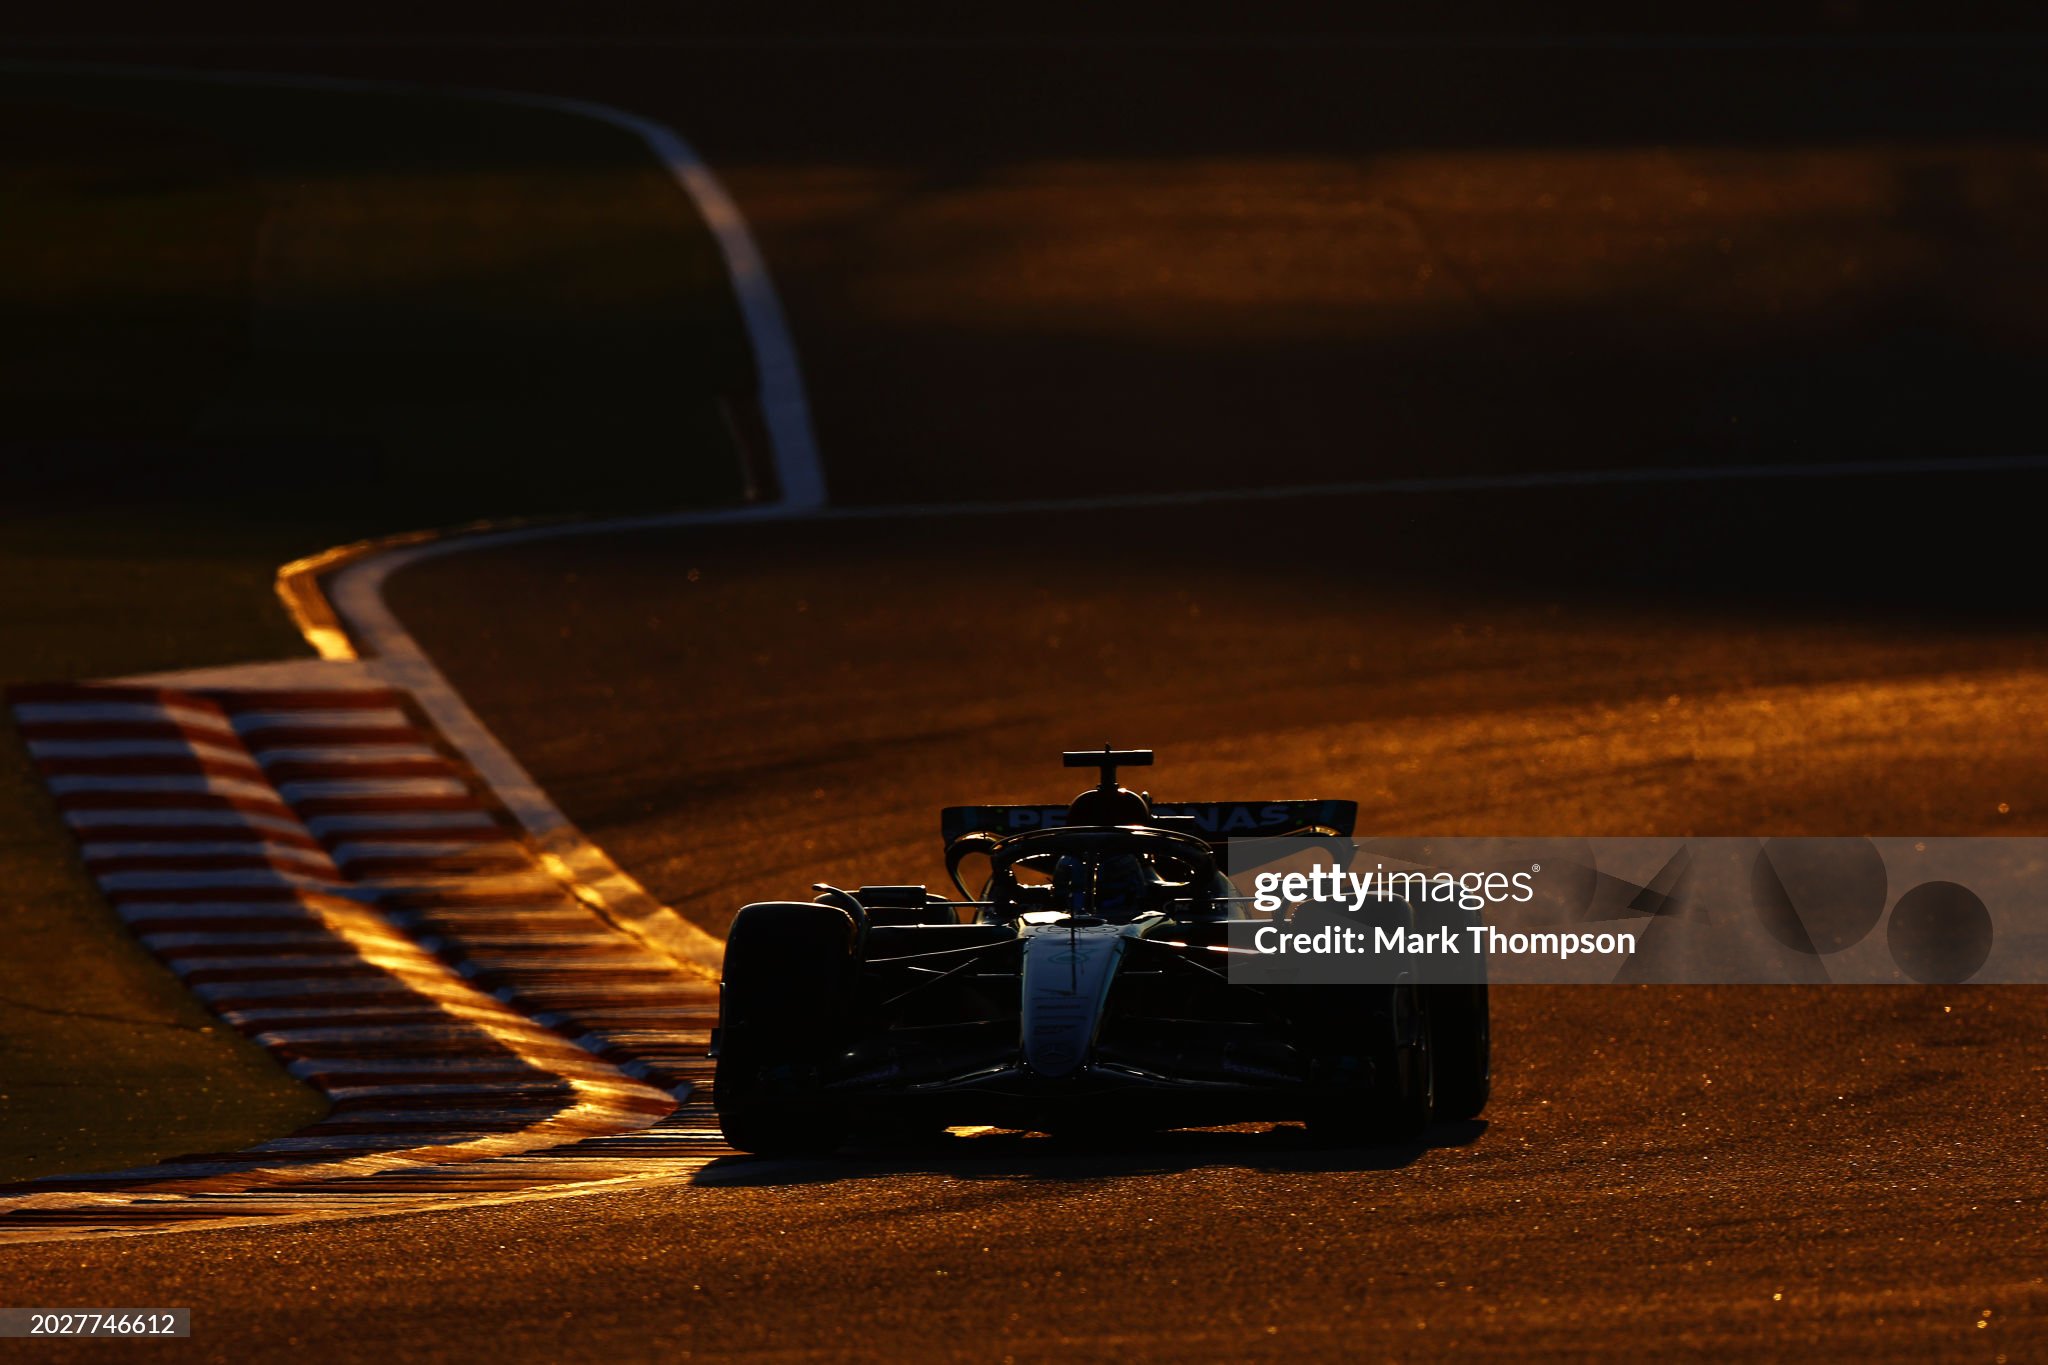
735	713
1698	1170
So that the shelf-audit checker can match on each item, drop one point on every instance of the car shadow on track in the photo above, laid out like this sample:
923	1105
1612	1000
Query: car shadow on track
1006	1155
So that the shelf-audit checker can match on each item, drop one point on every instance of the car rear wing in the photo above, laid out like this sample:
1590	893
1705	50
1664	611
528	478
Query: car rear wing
1216	821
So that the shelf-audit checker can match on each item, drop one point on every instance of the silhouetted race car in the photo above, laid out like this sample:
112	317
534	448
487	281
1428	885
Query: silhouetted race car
1083	986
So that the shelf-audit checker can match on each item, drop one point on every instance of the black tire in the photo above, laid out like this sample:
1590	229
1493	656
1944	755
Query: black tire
782	997
1400	1102
1454	993
1461	1033
1387	1027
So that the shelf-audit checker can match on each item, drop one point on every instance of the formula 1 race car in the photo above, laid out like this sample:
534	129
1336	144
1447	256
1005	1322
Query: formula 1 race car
1082	986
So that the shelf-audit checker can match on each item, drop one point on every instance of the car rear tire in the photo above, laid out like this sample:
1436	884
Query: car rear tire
1461	1033
1399	1103
1454	993
1387	1029
782	1001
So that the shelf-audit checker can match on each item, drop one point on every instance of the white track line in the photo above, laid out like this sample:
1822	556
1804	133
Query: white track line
784	407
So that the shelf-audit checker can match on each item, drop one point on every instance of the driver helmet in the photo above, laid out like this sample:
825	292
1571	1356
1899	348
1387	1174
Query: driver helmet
1125	886
1108	806
1116	886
